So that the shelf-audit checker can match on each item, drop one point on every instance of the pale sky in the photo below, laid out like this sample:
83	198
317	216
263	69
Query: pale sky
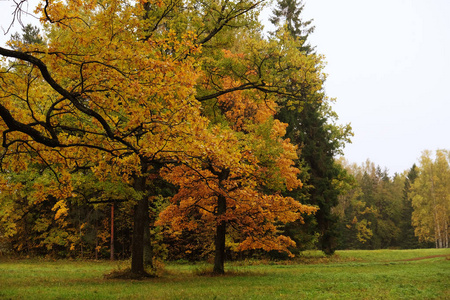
388	65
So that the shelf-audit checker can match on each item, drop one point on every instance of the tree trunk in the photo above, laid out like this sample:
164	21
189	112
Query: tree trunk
219	258
96	245
433	196
326	224
137	244
446	232
148	249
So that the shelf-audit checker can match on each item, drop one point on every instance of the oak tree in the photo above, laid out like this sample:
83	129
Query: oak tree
101	94
236	187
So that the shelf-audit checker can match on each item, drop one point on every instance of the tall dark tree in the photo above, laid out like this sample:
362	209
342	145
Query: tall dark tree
30	35
408	239
287	12
312	128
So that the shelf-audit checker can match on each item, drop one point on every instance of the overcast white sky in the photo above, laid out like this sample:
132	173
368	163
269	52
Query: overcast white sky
389	68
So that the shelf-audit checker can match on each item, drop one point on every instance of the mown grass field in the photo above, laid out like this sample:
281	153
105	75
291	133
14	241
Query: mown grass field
381	274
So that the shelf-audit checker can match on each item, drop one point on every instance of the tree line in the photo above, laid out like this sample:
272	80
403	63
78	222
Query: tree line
173	129
406	211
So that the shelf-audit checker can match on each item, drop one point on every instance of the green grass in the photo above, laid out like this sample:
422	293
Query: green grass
382	274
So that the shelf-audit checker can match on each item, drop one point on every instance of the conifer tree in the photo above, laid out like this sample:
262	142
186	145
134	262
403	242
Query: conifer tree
30	35
311	127
408	240
288	13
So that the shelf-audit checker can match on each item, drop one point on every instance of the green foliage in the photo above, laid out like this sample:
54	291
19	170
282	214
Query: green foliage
30	35
287	13
58	203
33	222
108	120
312	127
376	211
407	238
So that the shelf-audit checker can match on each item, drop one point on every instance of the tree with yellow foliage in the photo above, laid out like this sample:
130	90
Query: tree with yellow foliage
100	94
431	198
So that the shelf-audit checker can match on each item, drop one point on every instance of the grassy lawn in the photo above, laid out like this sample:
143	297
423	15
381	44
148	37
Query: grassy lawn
383	274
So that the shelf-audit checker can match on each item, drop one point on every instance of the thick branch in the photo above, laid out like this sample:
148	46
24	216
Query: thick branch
224	20
246	86
72	97
15	125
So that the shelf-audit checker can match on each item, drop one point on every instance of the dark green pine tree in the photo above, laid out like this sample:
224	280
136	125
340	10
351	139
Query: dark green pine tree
408	239
319	141
287	12
30	35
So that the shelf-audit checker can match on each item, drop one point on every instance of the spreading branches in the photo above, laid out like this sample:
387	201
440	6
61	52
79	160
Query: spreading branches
17	13
224	15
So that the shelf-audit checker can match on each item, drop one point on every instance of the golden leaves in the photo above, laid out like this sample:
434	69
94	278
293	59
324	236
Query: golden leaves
140	87
236	162
61	209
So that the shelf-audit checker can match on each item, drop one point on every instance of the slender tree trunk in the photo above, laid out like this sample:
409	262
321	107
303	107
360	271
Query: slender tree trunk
437	232
81	234
221	229
219	258
437	229
446	232
137	244
111	257
96	244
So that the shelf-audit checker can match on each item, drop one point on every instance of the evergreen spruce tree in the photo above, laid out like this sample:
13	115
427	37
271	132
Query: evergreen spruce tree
408	240
318	140
287	12
30	35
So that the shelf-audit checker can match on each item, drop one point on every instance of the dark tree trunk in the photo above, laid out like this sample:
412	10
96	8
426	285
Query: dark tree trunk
140	216
327	233
219	258
148	249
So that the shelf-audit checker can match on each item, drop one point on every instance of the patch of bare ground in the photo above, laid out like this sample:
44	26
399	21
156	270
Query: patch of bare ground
127	274
426	257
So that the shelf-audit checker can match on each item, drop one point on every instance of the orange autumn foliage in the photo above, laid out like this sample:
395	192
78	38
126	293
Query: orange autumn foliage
249	165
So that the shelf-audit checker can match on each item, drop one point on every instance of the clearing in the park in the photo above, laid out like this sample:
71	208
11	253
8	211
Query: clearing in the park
377	274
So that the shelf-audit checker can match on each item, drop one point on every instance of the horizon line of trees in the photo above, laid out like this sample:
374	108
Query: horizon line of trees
405	211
